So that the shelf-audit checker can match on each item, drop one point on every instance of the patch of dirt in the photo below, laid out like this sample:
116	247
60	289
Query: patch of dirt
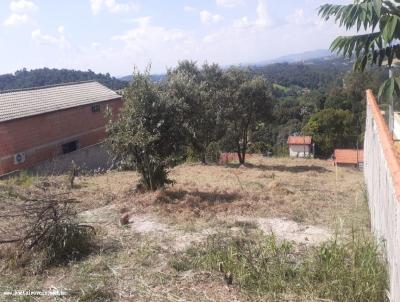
293	231
145	224
178	240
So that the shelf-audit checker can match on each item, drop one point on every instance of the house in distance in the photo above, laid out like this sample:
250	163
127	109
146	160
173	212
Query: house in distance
348	157
300	146
41	123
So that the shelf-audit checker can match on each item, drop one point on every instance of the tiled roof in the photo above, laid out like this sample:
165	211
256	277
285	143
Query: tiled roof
299	140
28	102
348	156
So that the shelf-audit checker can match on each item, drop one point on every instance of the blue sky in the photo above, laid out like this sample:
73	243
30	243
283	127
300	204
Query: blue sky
116	35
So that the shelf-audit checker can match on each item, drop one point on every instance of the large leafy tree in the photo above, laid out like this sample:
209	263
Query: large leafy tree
248	99
196	92
331	128
147	134
380	45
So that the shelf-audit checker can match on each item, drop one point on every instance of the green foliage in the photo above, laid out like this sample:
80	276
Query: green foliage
382	20
248	99
319	74
147	134
331	128
45	76
259	147
196	91
337	271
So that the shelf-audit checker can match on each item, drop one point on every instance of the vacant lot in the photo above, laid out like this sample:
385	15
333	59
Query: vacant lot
304	202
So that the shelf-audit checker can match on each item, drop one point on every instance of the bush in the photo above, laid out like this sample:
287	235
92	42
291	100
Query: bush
259	147
46	230
337	271
147	134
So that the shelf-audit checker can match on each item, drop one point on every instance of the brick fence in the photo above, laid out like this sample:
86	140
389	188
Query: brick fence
382	177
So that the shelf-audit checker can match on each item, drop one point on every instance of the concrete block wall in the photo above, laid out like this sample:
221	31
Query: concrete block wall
96	157
382	177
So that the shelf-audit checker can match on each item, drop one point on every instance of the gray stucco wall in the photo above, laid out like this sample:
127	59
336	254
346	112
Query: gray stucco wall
91	158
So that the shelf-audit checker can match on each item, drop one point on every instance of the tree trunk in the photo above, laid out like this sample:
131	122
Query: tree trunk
244	147
239	153
203	158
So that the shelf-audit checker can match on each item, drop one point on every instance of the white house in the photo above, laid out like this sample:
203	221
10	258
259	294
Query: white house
300	146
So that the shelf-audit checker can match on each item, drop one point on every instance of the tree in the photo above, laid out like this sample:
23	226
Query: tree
45	76
331	128
382	21
147	134
196	92
247	98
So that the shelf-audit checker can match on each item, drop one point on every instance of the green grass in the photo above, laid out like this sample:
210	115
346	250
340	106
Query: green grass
335	271
23	179
280	87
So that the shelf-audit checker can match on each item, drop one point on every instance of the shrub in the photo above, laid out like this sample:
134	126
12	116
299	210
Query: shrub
147	134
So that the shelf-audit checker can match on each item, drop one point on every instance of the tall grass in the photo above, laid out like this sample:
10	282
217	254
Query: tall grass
336	271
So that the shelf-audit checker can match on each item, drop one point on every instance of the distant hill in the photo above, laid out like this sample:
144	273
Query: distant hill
45	76
299	57
312	74
154	77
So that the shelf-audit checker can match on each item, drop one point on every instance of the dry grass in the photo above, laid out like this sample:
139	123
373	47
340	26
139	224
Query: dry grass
307	191
132	263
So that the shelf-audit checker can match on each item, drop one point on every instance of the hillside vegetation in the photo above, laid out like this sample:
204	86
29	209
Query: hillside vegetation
45	76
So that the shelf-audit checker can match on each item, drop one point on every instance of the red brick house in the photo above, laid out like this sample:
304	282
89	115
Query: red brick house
41	123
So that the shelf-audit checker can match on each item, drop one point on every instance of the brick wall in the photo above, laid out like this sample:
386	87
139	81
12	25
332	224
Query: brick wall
41	137
382	177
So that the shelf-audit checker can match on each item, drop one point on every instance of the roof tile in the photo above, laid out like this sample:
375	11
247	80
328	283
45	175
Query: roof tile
299	140
348	156
30	102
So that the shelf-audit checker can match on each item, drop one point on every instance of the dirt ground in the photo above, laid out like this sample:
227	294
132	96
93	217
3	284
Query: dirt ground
303	201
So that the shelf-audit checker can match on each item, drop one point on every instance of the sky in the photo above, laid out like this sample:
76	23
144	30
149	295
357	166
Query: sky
116	36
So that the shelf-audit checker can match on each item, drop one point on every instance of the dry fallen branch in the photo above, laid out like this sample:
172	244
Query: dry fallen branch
44	222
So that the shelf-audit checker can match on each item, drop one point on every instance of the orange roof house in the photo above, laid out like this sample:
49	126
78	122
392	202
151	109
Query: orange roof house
348	157
300	146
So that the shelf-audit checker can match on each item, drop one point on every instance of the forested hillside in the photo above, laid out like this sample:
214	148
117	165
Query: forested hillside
311	74
45	76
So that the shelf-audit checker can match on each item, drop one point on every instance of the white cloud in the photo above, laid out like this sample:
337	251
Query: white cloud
21	12
112	6
59	40
142	45
230	3
263	18
145	34
208	18
23	6
16	19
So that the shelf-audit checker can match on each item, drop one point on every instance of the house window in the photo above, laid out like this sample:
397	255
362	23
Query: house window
96	108
70	147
